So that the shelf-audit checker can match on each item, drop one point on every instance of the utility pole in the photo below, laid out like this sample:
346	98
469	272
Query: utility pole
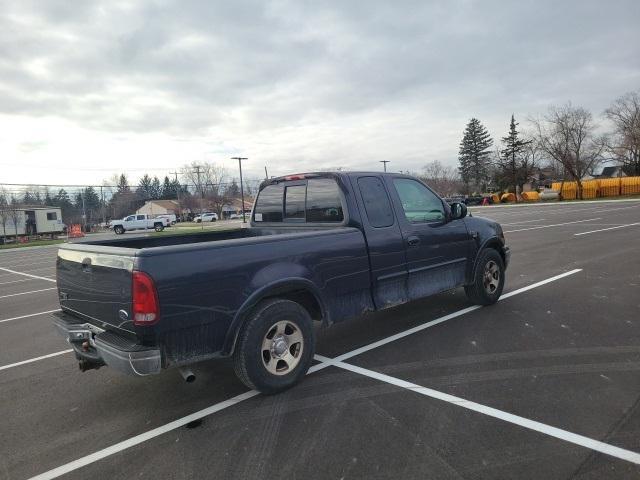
104	216
385	164
178	195
266	175
241	186
198	172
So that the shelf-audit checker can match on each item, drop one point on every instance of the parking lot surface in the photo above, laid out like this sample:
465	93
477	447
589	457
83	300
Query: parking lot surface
544	384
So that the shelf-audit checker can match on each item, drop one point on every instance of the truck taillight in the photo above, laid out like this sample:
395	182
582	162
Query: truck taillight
145	306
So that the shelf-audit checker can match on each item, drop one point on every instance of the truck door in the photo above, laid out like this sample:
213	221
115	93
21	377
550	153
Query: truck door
437	247
129	223
142	222
384	242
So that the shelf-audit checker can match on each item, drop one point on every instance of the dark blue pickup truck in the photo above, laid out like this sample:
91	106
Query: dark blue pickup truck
321	247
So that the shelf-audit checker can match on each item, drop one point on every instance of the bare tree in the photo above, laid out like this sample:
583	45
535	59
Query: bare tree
4	210
13	211
566	134
624	144
444	179
210	179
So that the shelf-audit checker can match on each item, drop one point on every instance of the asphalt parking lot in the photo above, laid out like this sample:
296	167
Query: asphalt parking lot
544	384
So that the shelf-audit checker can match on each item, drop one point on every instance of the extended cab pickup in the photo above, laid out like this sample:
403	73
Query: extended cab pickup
321	246
140	222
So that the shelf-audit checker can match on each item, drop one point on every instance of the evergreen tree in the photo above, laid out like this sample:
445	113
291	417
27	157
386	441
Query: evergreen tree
155	190
167	189
475	149
233	190
510	163
123	184
144	187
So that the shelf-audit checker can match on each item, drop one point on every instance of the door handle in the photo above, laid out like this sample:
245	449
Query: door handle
413	241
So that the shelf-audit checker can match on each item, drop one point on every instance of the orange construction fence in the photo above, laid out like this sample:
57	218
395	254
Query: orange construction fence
601	187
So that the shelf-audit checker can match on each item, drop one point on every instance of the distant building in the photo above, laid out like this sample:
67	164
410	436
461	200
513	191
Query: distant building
235	206
612	172
34	220
160	207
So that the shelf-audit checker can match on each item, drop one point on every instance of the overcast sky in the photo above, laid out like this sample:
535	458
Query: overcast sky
92	88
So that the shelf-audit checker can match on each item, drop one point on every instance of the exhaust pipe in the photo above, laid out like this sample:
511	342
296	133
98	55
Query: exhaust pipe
187	374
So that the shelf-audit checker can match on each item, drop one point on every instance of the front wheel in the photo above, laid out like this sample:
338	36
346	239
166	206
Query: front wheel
119	230
275	347
488	279
159	227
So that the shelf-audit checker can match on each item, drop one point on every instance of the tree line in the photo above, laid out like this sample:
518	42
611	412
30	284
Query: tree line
565	140
117	197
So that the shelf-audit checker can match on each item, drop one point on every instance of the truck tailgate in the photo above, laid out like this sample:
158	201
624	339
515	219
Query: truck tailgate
97	286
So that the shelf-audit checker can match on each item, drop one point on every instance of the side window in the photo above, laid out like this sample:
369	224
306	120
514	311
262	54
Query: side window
294	201
418	202
52	215
130	218
324	202
376	201
140	217
268	207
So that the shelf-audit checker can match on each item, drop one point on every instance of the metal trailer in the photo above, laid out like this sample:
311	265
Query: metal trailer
36	221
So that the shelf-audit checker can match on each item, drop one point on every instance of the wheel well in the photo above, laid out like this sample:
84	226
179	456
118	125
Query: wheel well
303	297
496	245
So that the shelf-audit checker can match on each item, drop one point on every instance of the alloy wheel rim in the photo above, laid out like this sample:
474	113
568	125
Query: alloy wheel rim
282	347
491	277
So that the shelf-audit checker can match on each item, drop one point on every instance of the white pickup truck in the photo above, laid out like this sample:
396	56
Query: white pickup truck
139	222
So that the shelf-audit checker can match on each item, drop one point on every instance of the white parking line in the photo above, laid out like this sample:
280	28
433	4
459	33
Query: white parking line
445	318
51	263
526	221
26	293
125	444
27	316
558	433
18	281
143	437
554	225
605	229
31	360
28	274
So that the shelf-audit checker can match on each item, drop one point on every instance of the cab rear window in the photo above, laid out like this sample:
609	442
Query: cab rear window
317	200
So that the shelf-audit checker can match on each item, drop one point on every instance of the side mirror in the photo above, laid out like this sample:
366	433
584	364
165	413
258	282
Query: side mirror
458	211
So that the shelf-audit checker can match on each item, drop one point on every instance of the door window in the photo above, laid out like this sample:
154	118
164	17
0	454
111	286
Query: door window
130	218
140	217
418	202
376	202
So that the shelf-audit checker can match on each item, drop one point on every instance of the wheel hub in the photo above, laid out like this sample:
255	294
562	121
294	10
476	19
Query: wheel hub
279	346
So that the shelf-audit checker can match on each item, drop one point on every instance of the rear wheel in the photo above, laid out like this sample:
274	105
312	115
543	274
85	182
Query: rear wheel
119	230
275	347
158	227
488	279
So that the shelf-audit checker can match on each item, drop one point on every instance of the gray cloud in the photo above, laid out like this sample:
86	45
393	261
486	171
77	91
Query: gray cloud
271	72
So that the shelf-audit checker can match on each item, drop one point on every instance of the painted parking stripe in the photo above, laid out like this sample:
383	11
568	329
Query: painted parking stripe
28	274
118	447
605	229
558	433
450	316
27	293
18	281
28	316
31	360
143	437
554	225
50	262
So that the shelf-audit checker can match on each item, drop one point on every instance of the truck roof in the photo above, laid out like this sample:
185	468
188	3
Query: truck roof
330	173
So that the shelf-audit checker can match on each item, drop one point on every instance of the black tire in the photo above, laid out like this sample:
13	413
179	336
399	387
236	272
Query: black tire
249	359
158	227
119	230
486	288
